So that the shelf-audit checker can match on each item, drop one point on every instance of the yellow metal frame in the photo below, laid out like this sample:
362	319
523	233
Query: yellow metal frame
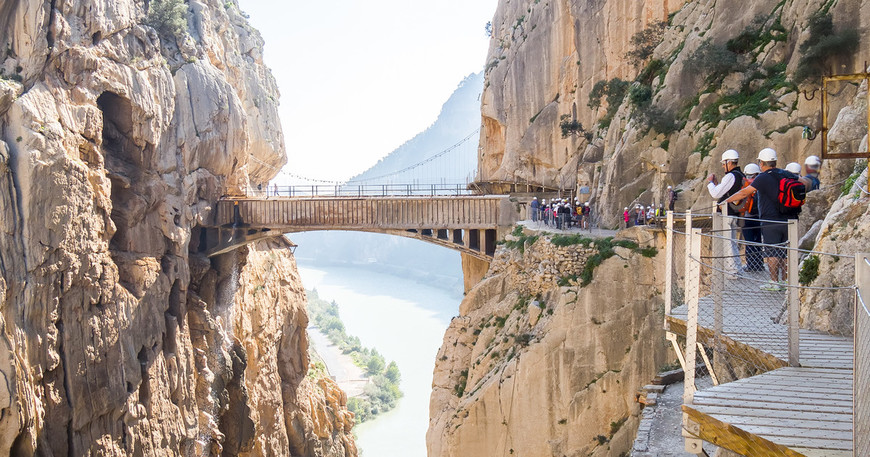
827	79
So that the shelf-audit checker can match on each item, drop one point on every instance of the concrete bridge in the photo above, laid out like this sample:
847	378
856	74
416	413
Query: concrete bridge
470	224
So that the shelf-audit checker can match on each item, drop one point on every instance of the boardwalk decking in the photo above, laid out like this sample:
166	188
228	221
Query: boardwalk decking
788	411
802	411
749	321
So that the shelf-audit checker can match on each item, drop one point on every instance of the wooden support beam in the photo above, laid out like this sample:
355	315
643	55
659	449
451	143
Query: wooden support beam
733	438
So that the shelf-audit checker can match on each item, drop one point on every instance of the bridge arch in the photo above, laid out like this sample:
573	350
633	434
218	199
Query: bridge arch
469	224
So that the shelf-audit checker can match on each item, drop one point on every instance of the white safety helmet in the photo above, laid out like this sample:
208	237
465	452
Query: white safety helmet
626	209
730	155
586	204
813	162
793	167
669	187
767	155
752	169
534	198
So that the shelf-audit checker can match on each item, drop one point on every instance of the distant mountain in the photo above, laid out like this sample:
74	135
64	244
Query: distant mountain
459	120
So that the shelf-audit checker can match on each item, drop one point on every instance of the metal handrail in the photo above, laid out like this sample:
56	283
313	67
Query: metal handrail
361	190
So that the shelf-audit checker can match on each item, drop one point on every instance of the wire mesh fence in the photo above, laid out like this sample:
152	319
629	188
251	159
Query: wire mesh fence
746	309
862	358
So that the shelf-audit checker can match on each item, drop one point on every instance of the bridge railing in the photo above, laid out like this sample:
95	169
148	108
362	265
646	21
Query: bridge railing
361	190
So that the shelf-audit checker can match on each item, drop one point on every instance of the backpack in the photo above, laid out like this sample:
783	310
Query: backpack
744	206
791	195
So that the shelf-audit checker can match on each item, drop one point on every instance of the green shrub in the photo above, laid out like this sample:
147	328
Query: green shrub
809	270
640	95
614	92
459	388
750	101
823	46
644	43
658	119
757	35
713	60
168	17
705	144
565	281
654	68
616	425
569	240
573	127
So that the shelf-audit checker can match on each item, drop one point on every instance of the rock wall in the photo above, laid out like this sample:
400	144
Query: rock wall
532	368
119	130
546	58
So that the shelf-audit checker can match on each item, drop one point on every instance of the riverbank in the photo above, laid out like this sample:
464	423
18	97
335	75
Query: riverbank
405	320
340	366
381	391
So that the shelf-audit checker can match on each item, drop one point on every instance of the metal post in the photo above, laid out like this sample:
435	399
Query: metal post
693	286
718	281
793	296
669	268
687	249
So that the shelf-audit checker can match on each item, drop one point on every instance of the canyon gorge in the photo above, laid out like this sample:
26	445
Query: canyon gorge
123	122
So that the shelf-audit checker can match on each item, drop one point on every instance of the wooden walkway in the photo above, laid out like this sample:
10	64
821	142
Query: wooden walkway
805	411
749	328
785	412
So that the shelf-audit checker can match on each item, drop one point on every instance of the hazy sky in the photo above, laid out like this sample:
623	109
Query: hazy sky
359	78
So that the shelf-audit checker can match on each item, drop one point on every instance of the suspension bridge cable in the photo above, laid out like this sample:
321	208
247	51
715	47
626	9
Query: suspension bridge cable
422	162
408	168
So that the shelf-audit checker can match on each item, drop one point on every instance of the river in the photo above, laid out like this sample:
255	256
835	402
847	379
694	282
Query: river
404	320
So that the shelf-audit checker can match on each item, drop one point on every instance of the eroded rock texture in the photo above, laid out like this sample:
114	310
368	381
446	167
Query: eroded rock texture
118	337
534	369
546	58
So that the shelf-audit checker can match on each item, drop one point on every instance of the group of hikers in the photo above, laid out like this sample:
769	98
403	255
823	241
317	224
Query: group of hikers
561	214
761	199
641	216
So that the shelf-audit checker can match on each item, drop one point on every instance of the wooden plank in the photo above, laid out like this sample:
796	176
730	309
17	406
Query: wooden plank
822	452
773	414
792	427
796	394
735	439
829	400
761	404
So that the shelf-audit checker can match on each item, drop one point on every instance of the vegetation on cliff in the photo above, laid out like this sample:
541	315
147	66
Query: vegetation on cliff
382	392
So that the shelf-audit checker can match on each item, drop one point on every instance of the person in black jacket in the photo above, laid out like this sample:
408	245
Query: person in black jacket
774	224
731	183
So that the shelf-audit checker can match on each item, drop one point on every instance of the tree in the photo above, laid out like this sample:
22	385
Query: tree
822	47
393	373
168	17
375	365
644	43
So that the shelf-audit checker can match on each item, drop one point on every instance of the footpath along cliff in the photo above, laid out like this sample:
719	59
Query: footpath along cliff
121	124
626	98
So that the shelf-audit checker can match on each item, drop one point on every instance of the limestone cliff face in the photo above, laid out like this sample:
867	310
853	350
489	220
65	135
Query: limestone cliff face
119	130
532	368
546	58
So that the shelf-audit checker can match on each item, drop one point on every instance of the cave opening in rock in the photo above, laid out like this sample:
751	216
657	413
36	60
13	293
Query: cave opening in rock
118	128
